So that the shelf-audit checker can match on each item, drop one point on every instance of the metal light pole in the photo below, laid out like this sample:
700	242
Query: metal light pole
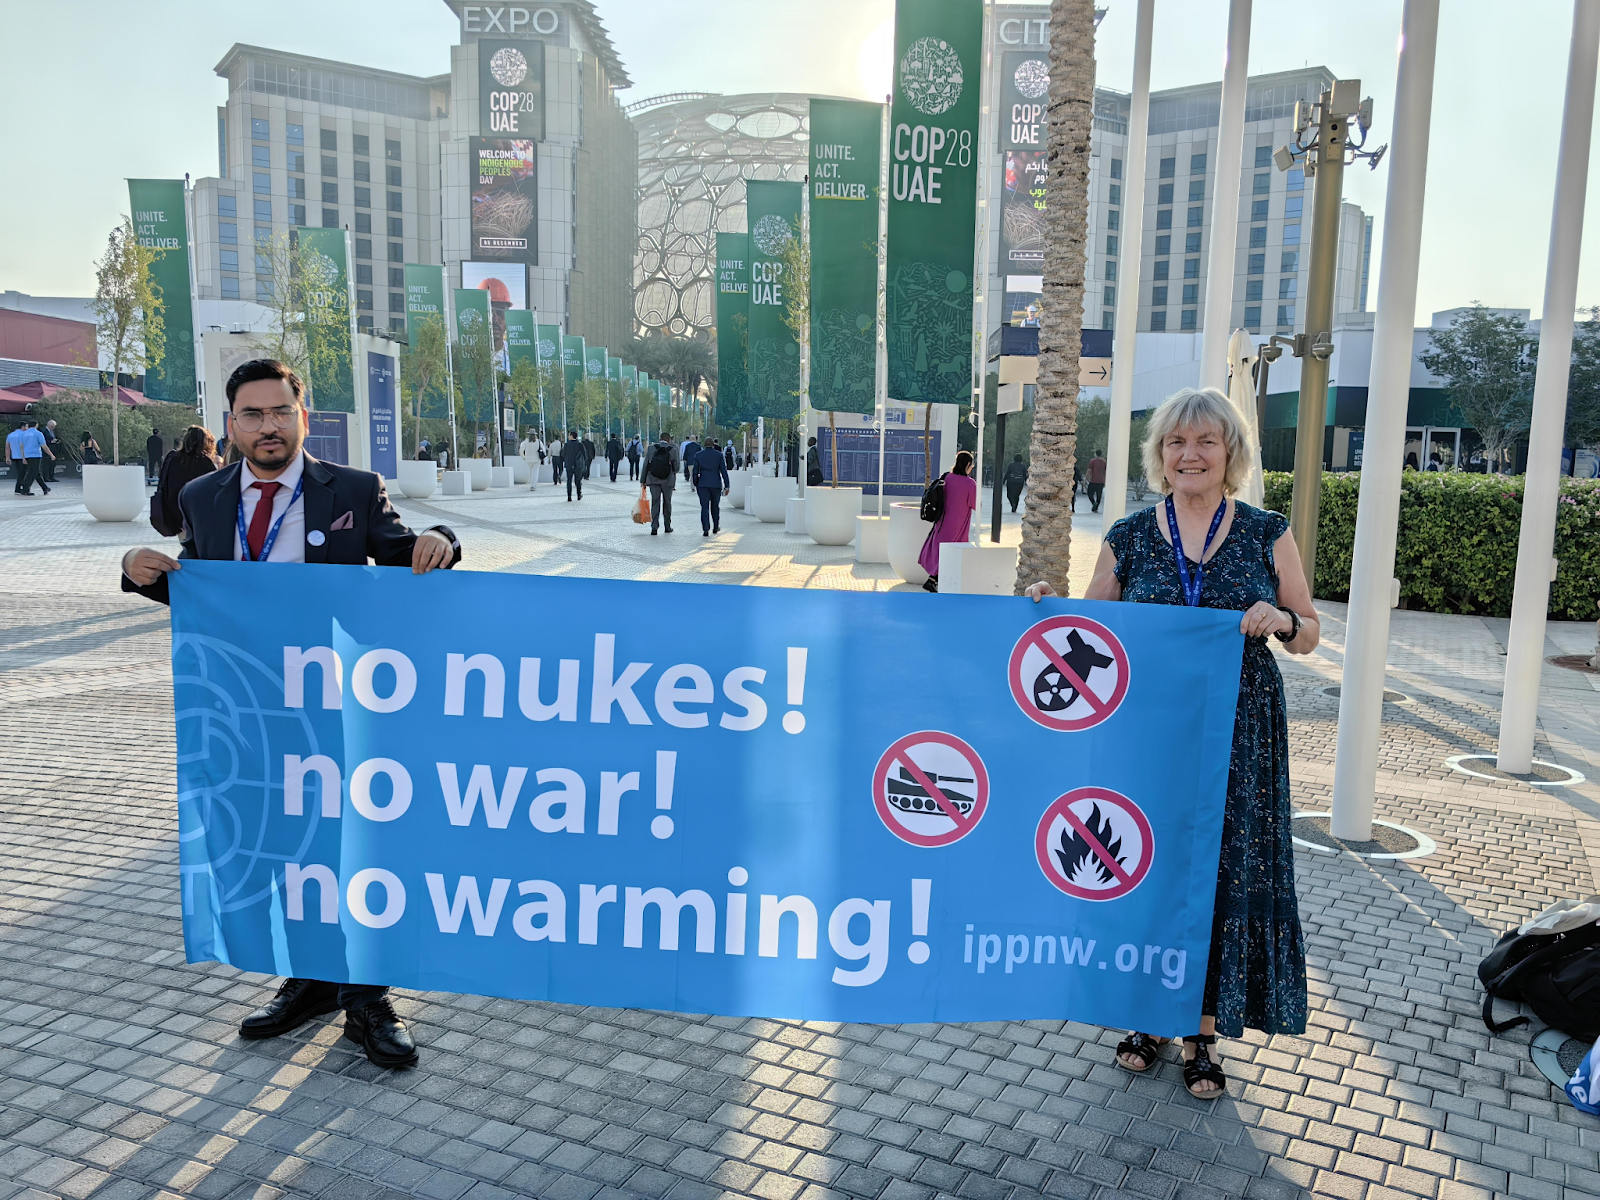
1217	329
1378	510
1125	339
1519	706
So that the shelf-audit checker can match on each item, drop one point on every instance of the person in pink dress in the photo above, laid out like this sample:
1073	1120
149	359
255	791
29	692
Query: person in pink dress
960	502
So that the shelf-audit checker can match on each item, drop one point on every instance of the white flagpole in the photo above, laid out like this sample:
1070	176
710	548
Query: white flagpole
1218	315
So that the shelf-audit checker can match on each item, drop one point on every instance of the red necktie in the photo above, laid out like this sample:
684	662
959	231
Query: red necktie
261	518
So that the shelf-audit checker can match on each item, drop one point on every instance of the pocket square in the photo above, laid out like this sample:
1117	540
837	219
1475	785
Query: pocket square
348	521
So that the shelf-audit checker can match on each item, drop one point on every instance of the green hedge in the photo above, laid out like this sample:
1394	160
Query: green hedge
1457	546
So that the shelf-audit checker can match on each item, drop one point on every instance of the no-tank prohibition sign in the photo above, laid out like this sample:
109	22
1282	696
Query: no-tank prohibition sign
1094	844
930	789
1068	673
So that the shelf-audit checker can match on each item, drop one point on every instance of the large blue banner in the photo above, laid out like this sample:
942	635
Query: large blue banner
738	800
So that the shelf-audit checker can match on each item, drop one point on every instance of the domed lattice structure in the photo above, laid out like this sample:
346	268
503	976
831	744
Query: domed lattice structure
694	156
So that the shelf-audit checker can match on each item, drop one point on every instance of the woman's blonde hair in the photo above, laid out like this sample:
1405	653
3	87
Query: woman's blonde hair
1196	408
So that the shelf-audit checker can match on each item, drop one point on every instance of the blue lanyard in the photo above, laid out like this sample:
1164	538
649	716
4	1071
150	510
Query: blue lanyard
272	534
1191	583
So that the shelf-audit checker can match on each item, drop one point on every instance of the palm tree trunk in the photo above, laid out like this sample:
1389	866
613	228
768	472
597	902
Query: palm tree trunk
1047	527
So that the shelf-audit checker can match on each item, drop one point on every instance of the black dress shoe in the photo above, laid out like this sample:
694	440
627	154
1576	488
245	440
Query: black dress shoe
376	1029
297	1001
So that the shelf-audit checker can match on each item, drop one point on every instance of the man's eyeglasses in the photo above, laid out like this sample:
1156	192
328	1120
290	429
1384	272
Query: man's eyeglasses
254	420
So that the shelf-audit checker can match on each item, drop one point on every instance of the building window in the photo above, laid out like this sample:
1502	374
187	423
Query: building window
227	206
1297	179
364	298
1258	210
1290	263
1158	322
222	146
1288	287
1158	297
1110	271
364	274
1116	168
1191	268
1294	207
397	324
260	128
297	214
397	252
391	150
330	139
1257	264
392	176
264	253
360	145
1263	156
1106	319
397	302
394	201
1186	319
229	259
330	193
363	245
264	291
297	188
260	156
1263	183
1196	214
1191	293
264	211
297	161
230	287
1164	244
363	197
1111	243
1285	315
363	222
295	135
1291	234
1162	266
1169	167
263	236
262	182
364	321
1197	189
1113	217
1252	289
1108	297
1252	317
1197	164
397	278
1258	236
396	227
1116	193
330	218
1191	243
1163	218
228	233
1164	193
363	171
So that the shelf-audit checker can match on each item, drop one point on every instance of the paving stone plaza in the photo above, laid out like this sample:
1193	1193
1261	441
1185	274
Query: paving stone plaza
122	1074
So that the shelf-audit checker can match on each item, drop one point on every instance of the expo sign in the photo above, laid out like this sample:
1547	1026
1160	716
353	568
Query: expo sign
509	18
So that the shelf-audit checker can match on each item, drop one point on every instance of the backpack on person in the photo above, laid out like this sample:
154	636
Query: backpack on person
660	463
1551	964
933	500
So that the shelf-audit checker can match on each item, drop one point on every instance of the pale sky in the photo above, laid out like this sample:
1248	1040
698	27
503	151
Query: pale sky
140	100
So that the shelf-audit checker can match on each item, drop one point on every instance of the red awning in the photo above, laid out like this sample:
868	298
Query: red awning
39	389
12	402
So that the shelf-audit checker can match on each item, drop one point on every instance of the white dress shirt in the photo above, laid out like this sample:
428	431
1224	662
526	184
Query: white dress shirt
291	544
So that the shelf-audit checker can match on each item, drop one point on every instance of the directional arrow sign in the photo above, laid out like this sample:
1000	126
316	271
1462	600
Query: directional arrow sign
1094	372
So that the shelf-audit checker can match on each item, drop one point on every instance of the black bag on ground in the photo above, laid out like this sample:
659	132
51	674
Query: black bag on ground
1555	974
933	500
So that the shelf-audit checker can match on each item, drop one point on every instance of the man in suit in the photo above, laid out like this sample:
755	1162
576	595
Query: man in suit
574	463
588	453
281	505
711	481
686	453
660	477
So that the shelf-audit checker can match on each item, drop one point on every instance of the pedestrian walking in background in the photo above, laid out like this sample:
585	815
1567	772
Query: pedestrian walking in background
711	481
154	452
1205	549
280	505
954	523
633	457
575	461
1097	480
686	453
424	451
89	450
194	455
1015	477
53	444
588	453
727	456
34	455
813	463
1077	481
614	454
660	477
14	455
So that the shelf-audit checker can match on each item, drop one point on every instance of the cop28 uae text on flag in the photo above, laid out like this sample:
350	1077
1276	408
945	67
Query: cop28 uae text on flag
844	806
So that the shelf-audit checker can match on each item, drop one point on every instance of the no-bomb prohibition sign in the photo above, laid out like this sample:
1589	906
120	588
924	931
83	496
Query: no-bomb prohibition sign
1068	673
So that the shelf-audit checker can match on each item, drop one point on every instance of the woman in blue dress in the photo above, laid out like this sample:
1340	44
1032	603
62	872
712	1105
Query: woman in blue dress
1202	547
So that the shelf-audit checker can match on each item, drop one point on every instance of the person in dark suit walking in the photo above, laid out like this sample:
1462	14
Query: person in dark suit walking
660	477
686	454
614	454
711	481
280	505
588	453
574	463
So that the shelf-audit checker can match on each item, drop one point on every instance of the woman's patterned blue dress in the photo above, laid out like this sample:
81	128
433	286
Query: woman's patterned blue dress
1256	976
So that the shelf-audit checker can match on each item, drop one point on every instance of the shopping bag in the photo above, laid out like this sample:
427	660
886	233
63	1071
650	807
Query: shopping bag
1583	1089
641	509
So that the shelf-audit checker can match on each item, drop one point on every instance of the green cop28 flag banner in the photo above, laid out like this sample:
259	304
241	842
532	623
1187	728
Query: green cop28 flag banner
933	200
572	358
327	299
159	223
424	298
733	329
474	359
845	146
520	338
773	211
594	362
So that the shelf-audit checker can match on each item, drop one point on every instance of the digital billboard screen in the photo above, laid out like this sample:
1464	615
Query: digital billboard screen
505	200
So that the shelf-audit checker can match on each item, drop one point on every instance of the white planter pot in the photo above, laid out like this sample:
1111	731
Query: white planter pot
418	480
500	476
521	469
478	470
455	483
114	493
738	482
794	515
767	496
907	532
831	514
968	570
872	539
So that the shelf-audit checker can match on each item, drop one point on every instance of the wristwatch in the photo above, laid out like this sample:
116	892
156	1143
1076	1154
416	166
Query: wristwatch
1294	625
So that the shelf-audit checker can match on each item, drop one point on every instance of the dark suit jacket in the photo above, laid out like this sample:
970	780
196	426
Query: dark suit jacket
709	469
210	509
573	457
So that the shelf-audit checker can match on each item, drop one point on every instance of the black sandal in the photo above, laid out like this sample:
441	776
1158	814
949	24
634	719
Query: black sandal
1200	1068
1140	1046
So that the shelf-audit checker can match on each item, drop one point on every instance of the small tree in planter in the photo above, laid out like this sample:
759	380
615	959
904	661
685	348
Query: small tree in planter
128	308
